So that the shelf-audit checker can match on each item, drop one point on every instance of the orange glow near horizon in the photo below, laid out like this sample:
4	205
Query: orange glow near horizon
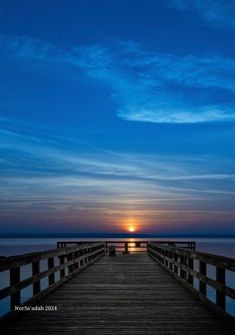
130	224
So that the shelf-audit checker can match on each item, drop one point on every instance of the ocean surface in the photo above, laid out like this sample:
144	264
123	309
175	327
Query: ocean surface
17	246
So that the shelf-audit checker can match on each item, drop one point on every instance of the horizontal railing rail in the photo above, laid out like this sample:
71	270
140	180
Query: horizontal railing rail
131	246
120	246
63	262
181	263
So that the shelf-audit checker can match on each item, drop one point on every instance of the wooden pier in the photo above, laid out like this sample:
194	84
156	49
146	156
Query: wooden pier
149	292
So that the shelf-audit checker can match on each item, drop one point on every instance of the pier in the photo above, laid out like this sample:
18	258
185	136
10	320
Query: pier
146	288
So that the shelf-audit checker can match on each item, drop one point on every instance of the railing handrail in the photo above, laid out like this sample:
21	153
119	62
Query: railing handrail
20	260
180	263
71	261
121	246
129	241
212	259
129	246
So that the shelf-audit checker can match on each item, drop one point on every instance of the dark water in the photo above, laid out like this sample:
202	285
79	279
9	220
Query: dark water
16	246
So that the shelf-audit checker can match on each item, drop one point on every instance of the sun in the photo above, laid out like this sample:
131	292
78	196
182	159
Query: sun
131	229
130	224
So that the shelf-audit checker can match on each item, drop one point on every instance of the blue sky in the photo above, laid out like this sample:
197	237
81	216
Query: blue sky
117	113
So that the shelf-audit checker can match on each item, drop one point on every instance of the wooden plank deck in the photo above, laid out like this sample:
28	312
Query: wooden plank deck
126	294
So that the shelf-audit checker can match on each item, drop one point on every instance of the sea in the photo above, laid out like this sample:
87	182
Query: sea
17	246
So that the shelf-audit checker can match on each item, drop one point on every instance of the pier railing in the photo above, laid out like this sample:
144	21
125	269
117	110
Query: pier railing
43	272
127	247
59	266
189	267
120	246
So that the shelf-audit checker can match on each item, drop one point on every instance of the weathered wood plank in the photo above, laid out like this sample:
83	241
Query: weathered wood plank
126	294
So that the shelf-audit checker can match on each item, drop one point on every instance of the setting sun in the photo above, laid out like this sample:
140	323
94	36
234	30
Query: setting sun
130	224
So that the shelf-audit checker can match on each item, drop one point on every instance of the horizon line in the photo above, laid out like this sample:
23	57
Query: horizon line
116	235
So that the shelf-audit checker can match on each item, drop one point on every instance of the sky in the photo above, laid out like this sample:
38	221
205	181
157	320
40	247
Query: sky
117	115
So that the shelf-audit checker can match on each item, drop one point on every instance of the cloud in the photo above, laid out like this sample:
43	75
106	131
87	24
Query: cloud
47	155
55	179
170	115
215	12
27	47
154	87
146	86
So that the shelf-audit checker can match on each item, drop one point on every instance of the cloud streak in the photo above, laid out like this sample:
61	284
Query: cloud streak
215	12
146	86
42	155
55	180
152	87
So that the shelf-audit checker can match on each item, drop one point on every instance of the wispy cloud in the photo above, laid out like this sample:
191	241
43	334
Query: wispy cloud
153	87
55	180
216	12
41	155
146	86
27	47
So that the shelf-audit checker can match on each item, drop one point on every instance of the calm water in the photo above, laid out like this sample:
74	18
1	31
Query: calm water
16	246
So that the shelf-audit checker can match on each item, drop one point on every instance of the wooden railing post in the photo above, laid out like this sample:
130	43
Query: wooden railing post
76	265
13	289
179	261
51	277
175	266
182	272
171	262
166	259
190	265
70	257
15	279
62	271
126	248
220	278
202	271
36	271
